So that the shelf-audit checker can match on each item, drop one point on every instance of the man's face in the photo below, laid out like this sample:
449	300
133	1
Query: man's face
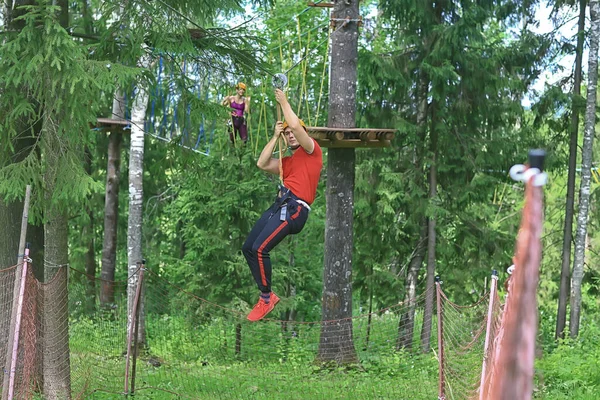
291	139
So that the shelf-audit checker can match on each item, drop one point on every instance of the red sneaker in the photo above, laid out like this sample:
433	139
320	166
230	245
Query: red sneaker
261	309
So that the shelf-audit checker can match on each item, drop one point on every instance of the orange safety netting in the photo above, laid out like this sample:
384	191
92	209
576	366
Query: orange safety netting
512	367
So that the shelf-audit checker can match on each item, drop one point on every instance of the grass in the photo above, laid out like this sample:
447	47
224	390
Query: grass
279	381
199	362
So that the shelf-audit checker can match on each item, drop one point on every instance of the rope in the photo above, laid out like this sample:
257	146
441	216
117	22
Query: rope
279	140
315	48
9	268
323	77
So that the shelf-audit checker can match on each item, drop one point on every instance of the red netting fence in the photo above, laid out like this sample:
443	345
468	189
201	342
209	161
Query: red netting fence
194	348
511	373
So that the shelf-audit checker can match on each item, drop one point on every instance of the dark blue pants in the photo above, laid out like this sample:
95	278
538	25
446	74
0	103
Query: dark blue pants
272	227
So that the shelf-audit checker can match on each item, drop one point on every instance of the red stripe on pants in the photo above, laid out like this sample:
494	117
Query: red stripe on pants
266	242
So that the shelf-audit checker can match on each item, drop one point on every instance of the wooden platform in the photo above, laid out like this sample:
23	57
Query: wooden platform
351	137
113	124
326	137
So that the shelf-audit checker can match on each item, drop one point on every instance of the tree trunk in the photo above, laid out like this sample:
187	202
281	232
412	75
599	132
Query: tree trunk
111	208
431	242
35	236
55	316
10	216
90	254
586	165
337	343
86	15
565	273
63	13
134	223
406	324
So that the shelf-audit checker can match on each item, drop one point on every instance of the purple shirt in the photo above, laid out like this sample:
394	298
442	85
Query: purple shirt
238	109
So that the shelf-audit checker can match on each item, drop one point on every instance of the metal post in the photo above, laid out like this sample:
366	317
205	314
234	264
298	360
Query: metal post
131	332
440	329
15	348
493	288
16	289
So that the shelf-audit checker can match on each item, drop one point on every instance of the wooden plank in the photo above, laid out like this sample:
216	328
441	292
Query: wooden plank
357	130
353	143
113	122
320	4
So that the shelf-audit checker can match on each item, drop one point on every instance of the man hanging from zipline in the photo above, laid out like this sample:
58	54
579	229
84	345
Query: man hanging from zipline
240	105
287	215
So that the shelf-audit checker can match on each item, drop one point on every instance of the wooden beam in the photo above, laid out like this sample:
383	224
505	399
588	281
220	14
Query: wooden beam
353	143
338	135
320	4
371	136
358	130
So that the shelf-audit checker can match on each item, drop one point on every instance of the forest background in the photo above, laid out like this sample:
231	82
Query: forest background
450	76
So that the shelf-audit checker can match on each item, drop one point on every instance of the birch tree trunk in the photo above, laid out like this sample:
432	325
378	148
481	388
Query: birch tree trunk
336	342
586	165
136	197
111	206
565	273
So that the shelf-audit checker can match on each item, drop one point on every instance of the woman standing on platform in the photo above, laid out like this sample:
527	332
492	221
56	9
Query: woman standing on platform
240	105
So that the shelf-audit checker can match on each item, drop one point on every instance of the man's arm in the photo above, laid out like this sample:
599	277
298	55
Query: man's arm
294	123
265	161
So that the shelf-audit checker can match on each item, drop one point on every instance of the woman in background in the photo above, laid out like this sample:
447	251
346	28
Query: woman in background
240	105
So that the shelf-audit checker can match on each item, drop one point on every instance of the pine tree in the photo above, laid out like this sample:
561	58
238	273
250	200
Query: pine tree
47	77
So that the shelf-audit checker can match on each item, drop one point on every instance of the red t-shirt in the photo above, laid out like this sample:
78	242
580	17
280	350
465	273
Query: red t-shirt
301	172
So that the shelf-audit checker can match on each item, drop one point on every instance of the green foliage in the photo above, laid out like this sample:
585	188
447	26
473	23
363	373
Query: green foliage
572	369
46	78
199	209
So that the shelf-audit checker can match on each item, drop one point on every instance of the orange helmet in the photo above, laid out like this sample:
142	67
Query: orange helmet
285	124
240	85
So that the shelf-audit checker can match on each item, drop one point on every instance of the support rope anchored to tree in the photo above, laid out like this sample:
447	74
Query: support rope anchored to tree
280	81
